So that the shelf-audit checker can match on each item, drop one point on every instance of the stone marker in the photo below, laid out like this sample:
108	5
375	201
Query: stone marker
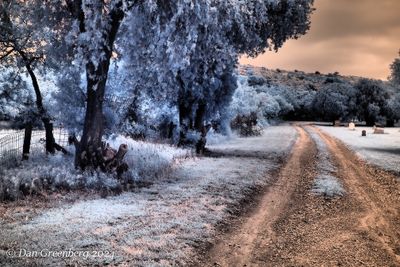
336	123
364	133
352	126
378	130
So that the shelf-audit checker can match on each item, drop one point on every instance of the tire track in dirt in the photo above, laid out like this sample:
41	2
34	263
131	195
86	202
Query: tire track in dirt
293	227
370	186
240	246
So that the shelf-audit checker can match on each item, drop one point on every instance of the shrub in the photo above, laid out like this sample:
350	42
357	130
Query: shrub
146	162
335	101
256	81
247	125
253	106
371	101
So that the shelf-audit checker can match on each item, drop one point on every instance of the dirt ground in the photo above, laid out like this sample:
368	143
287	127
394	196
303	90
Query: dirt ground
165	223
291	226
287	225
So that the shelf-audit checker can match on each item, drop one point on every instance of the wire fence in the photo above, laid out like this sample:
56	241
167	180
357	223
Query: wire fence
4	133
11	145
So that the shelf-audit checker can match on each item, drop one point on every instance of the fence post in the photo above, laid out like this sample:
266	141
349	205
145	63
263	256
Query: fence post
27	141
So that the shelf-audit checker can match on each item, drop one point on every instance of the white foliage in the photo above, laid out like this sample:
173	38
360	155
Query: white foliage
215	138
147	162
192	48
267	102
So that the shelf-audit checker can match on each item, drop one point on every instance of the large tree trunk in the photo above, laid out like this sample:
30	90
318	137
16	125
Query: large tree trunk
191	118
185	110
89	152
185	123
201	127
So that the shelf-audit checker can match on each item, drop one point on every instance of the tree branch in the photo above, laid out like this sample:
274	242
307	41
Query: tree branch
7	54
75	8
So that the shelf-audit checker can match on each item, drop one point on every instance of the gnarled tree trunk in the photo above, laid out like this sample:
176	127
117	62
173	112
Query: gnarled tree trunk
191	118
90	149
201	127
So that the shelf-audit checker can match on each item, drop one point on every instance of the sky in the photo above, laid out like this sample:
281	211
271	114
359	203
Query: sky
353	37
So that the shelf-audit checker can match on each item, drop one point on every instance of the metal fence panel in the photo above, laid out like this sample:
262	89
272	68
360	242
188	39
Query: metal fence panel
11	145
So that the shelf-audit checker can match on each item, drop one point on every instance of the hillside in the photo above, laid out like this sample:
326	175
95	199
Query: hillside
297	79
264	94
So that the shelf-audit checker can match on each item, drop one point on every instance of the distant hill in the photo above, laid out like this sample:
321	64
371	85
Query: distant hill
296	95
297	79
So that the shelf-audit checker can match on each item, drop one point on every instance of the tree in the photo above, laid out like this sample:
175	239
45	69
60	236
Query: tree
14	94
393	105
22	47
99	23
392	110
255	104
395	71
193	56
335	101
371	99
187	63
186	50
248	27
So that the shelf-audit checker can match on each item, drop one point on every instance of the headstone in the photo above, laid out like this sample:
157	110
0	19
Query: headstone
337	123
378	130
364	133
352	126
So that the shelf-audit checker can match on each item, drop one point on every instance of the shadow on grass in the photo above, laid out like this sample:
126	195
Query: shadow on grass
240	153
394	151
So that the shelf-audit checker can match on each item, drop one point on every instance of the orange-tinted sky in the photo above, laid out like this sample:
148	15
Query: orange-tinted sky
353	37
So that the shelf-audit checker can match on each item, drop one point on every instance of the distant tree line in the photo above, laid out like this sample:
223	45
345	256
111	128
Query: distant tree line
257	101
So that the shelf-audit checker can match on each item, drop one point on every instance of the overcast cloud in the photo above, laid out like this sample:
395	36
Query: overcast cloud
354	37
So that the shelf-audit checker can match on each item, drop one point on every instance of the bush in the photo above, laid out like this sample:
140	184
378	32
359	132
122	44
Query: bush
256	81
332	80
247	125
393	109
253	106
371	101
146	162
335	101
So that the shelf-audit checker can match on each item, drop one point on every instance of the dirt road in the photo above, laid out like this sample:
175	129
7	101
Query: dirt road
291	226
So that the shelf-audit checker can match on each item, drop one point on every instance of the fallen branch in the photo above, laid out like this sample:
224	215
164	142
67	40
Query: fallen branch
60	148
113	160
